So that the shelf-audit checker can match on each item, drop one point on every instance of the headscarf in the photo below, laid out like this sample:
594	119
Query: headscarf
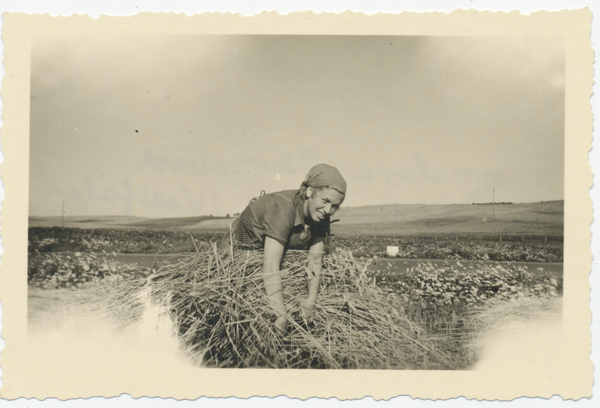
319	176
325	175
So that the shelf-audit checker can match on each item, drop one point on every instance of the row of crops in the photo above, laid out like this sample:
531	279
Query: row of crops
78	270
515	249
454	248
124	241
457	284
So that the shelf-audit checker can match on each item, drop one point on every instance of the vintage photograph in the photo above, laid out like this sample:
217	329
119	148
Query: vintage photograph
296	201
308	206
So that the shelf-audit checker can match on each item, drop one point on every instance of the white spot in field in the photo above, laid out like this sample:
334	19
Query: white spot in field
155	322
278	177
518	346
392	251
63	345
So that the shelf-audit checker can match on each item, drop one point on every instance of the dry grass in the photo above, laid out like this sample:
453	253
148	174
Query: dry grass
219	306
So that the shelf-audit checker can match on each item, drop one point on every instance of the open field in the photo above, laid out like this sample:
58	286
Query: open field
463	275
203	222
538	219
441	311
531	232
529	219
112	221
151	241
130	222
383	270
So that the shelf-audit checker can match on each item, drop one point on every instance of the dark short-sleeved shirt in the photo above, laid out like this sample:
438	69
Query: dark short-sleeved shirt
279	216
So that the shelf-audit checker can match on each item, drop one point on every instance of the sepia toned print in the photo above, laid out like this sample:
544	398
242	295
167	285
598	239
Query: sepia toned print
396	205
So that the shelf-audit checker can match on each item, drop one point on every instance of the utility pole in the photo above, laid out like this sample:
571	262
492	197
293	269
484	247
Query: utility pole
493	202
62	215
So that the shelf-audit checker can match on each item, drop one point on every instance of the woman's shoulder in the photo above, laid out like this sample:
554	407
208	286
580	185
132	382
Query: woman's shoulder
275	215
284	201
282	198
288	195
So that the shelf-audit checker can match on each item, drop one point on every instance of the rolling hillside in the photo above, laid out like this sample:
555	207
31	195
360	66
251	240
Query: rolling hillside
179	223
541	219
545	218
106	221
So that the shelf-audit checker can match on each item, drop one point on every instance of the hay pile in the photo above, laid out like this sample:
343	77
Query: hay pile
219	307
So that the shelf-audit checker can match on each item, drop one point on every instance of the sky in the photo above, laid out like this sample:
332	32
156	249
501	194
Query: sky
169	126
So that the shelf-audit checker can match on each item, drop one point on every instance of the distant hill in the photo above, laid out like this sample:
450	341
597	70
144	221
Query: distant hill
544	218
103	221
220	223
176	223
212	224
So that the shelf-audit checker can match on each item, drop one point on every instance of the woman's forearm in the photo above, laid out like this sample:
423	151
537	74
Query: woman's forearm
315	266
272	278
313	288
274	289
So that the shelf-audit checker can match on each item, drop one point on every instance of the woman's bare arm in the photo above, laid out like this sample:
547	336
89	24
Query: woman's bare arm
273	253
315	265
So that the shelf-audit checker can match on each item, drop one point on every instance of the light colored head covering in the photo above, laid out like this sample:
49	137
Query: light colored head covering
325	175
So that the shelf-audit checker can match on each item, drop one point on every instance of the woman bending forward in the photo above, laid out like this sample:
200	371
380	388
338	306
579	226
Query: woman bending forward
293	219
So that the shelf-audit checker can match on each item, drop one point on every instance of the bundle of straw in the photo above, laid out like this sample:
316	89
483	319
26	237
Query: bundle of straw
219	306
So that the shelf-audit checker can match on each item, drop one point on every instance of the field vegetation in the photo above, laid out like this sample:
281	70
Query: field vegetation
431	317
365	318
531	232
510	248
126	241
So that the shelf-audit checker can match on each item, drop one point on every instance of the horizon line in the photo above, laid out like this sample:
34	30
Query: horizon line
357	206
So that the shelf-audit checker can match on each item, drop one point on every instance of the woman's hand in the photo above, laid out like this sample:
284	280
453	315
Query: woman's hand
308	306
281	324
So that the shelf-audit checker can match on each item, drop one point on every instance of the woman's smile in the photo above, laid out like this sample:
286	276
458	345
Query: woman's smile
322	203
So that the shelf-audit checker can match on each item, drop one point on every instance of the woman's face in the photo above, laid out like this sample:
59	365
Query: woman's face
321	203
